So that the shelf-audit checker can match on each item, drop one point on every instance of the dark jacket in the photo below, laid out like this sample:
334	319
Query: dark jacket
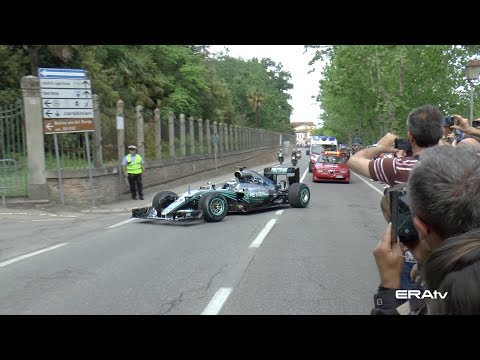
387	304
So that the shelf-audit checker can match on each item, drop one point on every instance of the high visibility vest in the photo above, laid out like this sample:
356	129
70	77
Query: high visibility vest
134	167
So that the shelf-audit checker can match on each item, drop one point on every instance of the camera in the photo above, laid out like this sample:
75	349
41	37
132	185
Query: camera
395	207
403	144
448	121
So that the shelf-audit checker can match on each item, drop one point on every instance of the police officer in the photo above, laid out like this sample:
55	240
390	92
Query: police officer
133	168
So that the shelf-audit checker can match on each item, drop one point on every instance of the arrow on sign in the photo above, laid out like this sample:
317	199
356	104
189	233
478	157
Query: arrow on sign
48	113
85	83
47	103
49	126
64	73
86	93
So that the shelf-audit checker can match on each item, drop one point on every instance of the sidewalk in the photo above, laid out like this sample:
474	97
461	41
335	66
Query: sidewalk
126	205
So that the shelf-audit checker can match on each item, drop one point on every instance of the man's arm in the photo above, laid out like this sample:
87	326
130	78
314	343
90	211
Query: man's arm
389	259
124	166
359	162
464	127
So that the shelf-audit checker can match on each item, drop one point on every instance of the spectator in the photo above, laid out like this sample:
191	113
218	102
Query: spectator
454	267
425	129
471	134
444	195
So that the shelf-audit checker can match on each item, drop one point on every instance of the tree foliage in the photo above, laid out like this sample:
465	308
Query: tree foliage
371	89
183	79
257	88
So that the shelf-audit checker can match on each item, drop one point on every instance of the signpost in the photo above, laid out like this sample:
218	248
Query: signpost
67	108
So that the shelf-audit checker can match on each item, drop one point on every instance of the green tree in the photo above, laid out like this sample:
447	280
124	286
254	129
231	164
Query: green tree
373	88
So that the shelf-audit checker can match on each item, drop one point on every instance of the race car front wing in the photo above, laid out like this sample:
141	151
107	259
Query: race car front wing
149	212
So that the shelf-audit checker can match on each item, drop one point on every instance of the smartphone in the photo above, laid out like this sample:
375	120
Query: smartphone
394	214
403	144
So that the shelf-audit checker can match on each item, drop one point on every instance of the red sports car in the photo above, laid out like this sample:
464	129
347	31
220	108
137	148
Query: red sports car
331	168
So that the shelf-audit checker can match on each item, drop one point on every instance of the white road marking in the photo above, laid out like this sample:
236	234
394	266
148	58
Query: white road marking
216	304
5	263
40	214
279	212
121	223
304	174
45	220
366	182
258	240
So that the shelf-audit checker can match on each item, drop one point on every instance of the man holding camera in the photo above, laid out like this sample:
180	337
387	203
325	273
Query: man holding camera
444	197
471	134
425	129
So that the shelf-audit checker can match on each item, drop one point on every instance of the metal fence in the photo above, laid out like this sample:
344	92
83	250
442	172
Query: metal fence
9	179
72	151
13	146
72	147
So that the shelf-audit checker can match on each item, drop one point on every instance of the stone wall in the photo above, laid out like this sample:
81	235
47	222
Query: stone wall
109	186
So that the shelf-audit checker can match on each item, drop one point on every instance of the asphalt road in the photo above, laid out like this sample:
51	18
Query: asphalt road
316	260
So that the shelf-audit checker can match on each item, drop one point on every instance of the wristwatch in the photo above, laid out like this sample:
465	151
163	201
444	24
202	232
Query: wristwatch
379	146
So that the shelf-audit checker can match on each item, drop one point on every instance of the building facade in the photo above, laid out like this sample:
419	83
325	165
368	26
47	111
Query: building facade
303	132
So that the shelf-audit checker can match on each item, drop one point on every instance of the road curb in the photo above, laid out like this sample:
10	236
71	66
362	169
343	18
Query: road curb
105	211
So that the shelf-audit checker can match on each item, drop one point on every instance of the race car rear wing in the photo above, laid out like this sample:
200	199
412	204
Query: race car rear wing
292	173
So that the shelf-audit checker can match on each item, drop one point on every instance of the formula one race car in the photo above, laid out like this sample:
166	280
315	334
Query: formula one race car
247	191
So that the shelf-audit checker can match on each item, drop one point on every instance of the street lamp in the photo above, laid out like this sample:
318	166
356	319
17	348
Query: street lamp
473	73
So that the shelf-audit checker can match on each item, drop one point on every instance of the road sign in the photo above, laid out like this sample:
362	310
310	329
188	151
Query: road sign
53	73
66	93
64	84
67	113
58	126
120	123
67	104
66	100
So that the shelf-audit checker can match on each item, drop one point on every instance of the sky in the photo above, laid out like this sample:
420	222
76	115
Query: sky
295	61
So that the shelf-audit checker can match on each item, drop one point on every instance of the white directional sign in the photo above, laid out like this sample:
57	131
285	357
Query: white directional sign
66	100
53	73
66	93
67	113
64	84
66	104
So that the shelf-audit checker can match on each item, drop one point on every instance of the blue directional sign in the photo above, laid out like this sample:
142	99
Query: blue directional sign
54	73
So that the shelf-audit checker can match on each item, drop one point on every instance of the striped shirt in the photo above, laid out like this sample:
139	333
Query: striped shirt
391	171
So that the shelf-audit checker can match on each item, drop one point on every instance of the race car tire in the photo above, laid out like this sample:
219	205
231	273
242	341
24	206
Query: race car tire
214	207
162	200
299	195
